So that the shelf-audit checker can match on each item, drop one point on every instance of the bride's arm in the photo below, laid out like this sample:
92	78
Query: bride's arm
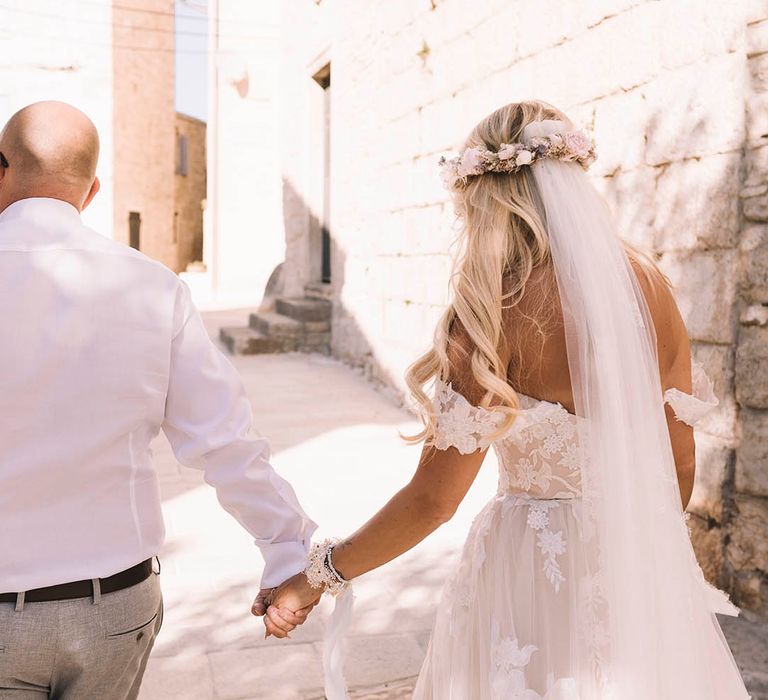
674	351
681	434
430	499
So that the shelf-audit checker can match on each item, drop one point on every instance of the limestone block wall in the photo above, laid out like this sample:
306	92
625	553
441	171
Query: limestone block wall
675	92
143	124
746	553
189	191
47	55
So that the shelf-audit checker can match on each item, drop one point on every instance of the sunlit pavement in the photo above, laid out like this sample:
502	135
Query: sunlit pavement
335	438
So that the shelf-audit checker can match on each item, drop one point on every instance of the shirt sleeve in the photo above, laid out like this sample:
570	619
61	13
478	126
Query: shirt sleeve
208	421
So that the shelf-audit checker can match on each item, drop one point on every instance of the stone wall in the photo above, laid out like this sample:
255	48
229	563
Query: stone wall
143	124
746	553
189	191
675	92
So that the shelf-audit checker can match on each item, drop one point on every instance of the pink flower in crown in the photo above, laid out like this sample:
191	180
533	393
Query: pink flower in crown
577	144
471	163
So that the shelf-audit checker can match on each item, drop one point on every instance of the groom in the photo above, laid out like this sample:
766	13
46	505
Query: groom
102	347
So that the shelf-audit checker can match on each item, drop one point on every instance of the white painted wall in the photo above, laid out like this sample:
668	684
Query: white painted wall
47	52
246	239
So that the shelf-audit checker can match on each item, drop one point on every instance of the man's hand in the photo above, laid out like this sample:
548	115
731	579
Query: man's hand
261	602
287	606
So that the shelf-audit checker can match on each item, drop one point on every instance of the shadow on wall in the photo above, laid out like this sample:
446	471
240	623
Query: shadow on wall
688	209
303	266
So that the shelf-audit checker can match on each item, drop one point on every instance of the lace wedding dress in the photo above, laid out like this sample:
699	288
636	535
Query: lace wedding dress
522	618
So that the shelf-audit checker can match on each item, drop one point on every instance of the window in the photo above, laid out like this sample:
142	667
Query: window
134	230
183	164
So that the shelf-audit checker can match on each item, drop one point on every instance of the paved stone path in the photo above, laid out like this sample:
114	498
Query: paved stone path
336	439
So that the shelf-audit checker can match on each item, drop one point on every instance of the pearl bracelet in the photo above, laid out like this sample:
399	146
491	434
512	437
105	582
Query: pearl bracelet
320	571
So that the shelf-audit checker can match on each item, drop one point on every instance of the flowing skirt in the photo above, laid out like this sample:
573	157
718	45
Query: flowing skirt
521	617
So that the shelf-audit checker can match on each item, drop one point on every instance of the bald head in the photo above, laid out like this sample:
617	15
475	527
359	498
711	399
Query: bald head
52	149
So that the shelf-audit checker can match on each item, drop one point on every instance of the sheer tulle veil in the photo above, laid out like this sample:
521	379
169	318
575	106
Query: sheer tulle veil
656	626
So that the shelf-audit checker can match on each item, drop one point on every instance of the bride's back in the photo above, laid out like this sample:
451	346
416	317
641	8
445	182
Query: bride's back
535	332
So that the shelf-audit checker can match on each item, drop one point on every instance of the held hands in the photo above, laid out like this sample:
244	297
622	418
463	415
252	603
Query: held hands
287	606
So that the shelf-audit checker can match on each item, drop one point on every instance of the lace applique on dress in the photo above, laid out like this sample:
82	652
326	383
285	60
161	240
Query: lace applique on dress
593	628
691	408
548	457
508	681
507	674
460	424
551	544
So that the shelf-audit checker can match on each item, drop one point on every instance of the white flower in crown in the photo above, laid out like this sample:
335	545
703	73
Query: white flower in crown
507	151
449	172
568	146
471	162
524	157
555	140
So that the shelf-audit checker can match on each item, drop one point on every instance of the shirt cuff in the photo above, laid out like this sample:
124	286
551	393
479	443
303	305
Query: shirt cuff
281	561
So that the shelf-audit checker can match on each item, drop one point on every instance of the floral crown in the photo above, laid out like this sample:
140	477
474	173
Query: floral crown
569	146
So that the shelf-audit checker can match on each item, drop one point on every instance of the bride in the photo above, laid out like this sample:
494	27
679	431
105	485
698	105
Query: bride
564	350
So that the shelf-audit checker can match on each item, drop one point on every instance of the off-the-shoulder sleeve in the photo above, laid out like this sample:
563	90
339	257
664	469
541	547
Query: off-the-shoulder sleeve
460	424
691	408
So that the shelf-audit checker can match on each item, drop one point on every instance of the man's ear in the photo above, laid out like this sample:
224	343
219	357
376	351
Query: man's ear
95	187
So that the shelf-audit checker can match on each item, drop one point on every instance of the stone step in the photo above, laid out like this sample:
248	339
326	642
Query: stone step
303	309
275	325
318	290
315	342
240	340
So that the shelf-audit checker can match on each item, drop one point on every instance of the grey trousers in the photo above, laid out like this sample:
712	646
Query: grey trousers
86	649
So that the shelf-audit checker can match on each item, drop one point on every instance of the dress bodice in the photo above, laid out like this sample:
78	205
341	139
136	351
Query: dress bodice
540	455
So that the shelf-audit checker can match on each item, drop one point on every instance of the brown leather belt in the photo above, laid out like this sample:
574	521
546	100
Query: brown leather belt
84	589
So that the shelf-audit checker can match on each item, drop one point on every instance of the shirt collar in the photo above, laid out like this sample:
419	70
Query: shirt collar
40	209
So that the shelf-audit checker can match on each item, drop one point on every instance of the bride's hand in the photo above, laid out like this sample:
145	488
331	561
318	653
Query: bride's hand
287	620
294	595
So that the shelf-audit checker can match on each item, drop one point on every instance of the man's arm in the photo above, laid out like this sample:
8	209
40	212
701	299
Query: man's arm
208	422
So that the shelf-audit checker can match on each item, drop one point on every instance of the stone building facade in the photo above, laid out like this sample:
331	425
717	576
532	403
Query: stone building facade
189	190
144	127
676	92
117	65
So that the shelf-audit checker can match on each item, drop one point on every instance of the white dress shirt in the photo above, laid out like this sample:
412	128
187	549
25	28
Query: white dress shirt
102	347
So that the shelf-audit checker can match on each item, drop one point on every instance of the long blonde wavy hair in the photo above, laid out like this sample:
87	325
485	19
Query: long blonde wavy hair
503	240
